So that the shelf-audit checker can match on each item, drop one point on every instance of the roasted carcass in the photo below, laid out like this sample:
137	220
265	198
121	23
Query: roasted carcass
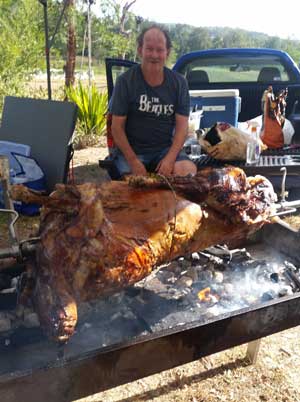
96	239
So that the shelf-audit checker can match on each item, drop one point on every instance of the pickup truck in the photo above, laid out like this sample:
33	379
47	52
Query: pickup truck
249	70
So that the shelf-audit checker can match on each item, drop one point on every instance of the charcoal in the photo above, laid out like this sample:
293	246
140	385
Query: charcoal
15	282
184	302
205	276
116	298
216	288
211	266
267	296
13	269
228	288
5	281
84	308
218	277
5	323
213	311
184	281
166	276
195	257
255	263
291	266
212	258
85	327
31	320
8	301
234	284
132	291
192	273
250	299
214	299
240	255
173	267
285	291
116	316
274	277
183	263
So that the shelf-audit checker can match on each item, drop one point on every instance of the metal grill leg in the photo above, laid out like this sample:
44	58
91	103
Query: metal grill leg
252	350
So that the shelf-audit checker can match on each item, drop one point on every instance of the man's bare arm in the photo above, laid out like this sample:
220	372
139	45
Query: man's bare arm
166	165
120	139
181	130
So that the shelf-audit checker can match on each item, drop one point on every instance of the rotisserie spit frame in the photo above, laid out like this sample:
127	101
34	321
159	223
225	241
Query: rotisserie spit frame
93	370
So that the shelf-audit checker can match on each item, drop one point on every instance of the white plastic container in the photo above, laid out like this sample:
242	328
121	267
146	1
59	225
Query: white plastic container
194	121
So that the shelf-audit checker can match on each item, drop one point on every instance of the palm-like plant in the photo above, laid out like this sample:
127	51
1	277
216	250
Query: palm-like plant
92	108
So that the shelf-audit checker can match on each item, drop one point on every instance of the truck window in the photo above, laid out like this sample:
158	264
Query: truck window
237	69
118	70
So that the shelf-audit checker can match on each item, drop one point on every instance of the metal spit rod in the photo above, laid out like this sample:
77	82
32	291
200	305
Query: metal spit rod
18	249
285	207
14	250
26	247
9	207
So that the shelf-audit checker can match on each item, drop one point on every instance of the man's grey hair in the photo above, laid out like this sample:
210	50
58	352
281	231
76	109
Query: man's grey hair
140	38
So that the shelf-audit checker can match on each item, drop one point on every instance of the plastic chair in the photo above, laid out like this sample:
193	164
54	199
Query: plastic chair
47	127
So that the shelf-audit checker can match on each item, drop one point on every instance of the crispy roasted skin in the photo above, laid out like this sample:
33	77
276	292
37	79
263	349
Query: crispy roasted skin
97	239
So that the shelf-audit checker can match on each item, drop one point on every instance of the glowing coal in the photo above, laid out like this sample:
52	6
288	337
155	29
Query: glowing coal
204	295
199	287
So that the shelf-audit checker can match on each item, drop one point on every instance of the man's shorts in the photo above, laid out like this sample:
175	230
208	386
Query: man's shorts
150	160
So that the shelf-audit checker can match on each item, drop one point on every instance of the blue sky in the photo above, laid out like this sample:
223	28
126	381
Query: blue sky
272	17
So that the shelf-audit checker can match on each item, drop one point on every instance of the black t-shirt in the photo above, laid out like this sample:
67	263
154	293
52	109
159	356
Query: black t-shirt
150	110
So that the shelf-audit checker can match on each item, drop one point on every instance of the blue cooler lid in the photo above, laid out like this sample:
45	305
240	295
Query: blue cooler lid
214	93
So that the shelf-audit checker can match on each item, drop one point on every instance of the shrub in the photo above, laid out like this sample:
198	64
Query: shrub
92	108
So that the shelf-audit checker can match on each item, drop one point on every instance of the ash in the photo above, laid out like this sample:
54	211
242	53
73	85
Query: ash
209	284
198	288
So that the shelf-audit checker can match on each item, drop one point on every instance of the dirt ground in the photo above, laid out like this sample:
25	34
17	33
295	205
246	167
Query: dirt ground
86	163
225	376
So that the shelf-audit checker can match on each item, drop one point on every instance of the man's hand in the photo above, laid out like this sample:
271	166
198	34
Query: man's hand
166	166
137	167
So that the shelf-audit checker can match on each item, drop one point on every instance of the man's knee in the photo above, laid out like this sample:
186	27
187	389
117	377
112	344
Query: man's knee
184	168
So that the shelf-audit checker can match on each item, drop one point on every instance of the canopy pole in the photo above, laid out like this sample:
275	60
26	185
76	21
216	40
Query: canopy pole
47	47
48	43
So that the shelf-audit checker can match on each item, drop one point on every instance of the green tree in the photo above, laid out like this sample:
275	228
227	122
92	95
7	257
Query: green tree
114	35
273	42
199	39
21	44
179	34
292	47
